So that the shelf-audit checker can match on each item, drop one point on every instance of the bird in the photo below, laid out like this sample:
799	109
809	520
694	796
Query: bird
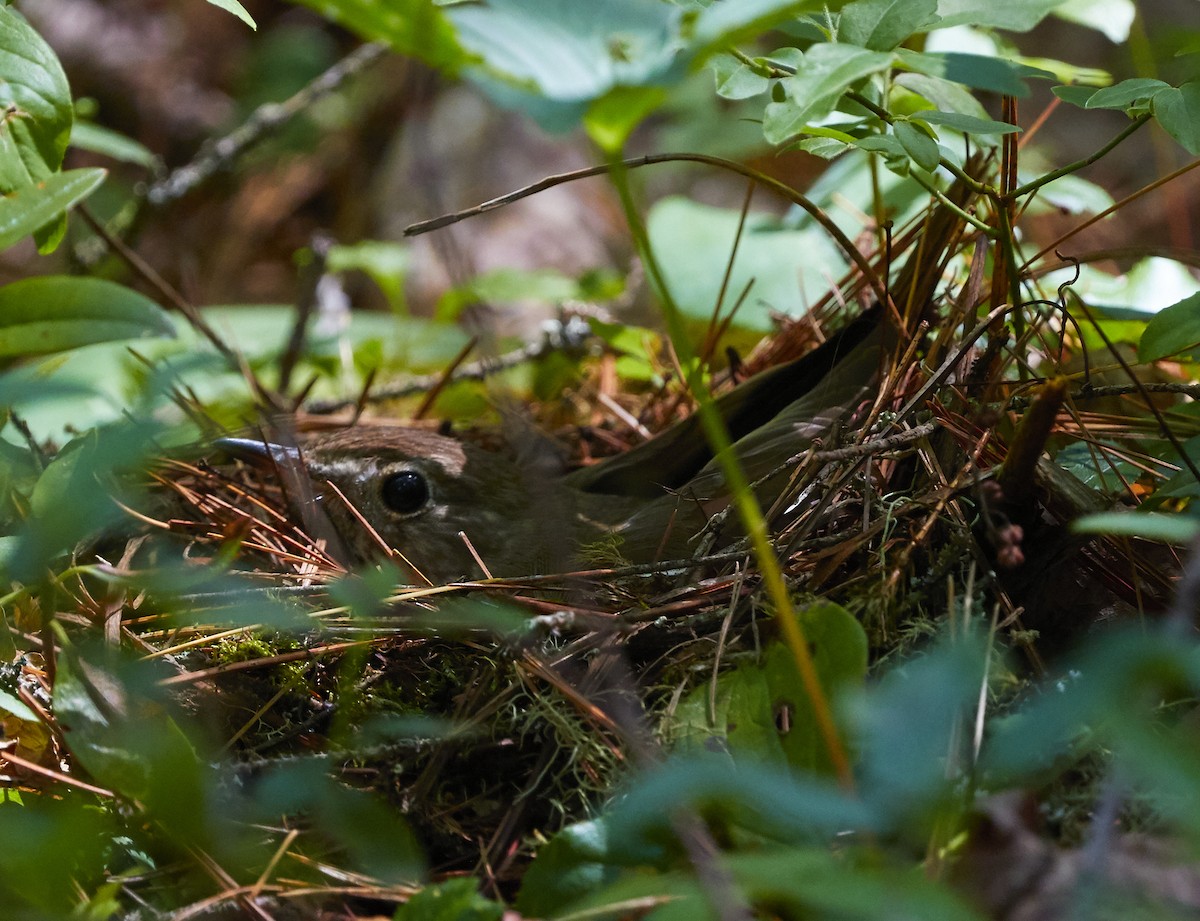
451	510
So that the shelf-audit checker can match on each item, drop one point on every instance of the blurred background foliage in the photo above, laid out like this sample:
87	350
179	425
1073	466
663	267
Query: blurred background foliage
128	794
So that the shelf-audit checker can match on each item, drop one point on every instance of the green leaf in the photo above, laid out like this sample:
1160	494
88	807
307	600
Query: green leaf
1172	331
824	74
109	143
1013	15
36	104
736	79
917	144
453	900
944	95
1169	529
1178	111
58	312
881	25
725	24
232	6
974	70
32	207
554	58
1124	94
419	28
966	123
1075	95
611	119
788	268
385	261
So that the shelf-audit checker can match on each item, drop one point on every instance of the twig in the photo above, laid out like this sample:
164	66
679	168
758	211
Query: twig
571	335
216	155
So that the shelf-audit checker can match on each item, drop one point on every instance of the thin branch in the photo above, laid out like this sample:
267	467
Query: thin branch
216	155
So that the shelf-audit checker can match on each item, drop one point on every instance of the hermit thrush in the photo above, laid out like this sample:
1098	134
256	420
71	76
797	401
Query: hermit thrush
451	508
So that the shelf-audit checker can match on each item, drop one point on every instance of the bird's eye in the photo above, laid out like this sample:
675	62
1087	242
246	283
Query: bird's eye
405	492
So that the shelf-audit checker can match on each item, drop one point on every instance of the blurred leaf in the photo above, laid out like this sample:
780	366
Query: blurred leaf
816	883
1070	194
55	846
1178	111
232	6
724	24
1173	331
419	28
790	269
974	70
583	50
1013	15
386	262
372	833
766	801
120	731
58	312
577	861
32	207
881	25
453	900
610	119
1169	529
36	104
906	726
106	142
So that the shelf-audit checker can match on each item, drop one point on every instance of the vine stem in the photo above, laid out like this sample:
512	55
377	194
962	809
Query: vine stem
762	179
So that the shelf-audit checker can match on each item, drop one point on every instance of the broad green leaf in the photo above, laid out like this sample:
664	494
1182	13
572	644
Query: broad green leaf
452	900
735	79
1173	331
917	144
419	28
385	261
824	74
1178	111
1169	529
944	95
966	124
553	59
789	268
57	312
109	143
1070	194
1126	93
36	104
725	24
32	207
232	6
611	118
1075	95
881	25
1013	15
974	70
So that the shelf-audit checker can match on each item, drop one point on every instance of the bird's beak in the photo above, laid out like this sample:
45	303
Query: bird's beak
259	452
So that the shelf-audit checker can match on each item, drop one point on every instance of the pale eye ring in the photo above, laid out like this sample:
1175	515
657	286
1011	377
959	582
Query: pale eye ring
405	492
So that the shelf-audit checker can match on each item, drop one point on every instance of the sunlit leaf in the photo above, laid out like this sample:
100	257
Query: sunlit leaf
56	312
32	207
